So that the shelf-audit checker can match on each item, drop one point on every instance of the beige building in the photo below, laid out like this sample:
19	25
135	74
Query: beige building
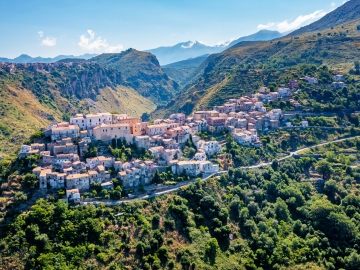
113	131
80	181
160	129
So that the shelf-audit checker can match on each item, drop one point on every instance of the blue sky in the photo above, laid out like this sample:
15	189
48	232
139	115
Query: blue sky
49	28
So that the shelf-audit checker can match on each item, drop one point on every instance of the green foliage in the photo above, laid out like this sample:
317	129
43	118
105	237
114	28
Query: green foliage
91	151
38	134
29	181
5	130
20	196
266	217
123	151
323	167
66	117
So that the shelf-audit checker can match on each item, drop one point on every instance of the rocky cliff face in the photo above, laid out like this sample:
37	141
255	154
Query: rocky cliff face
71	80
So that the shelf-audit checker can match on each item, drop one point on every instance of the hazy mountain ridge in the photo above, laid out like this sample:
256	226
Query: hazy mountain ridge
24	58
192	49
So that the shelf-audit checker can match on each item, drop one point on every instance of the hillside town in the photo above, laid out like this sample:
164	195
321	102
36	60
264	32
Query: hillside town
64	164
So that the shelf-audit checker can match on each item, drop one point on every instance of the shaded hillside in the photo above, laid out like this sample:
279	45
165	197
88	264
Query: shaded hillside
183	71
345	13
229	74
188	63
141	71
35	95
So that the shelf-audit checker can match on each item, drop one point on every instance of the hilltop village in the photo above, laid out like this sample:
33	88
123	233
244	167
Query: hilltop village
65	163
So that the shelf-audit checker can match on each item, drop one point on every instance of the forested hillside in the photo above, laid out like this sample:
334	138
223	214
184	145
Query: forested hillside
257	219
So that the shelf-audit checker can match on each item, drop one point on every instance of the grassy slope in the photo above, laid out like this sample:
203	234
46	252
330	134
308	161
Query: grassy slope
21	113
124	100
226	75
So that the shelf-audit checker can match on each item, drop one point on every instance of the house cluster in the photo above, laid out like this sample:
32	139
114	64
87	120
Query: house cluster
244	117
63	163
338	81
61	167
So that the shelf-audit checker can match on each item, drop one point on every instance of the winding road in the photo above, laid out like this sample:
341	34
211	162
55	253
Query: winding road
183	184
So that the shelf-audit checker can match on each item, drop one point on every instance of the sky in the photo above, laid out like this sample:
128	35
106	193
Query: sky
74	27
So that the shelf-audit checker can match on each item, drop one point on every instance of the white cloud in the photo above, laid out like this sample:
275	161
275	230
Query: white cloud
188	44
333	4
41	33
224	43
90	43
48	41
298	22
114	49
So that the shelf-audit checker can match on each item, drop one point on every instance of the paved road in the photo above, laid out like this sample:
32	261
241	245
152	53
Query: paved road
183	184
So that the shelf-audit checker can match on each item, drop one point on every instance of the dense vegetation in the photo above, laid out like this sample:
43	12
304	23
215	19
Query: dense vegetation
259	219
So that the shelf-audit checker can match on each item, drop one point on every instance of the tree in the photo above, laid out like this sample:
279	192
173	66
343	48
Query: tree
38	134
331	188
156	178
281	210
324	167
211	249
353	260
357	67
275	165
29	181
20	196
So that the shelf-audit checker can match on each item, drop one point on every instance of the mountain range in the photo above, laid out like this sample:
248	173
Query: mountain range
192	49
24	58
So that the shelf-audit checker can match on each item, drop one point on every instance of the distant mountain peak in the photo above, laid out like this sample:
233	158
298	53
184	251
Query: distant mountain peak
193	49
